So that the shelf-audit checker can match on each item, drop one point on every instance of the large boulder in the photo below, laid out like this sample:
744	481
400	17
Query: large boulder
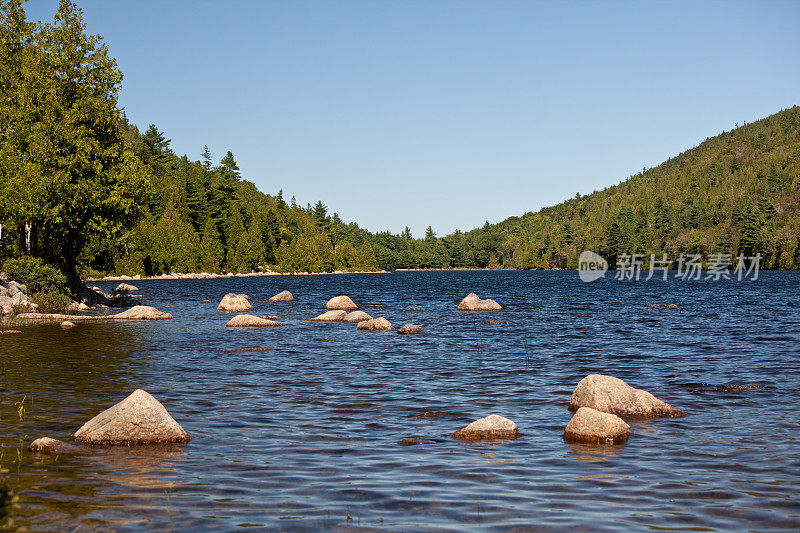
138	419
330	316
250	321
142	312
15	288
283	296
49	446
124	288
473	303
234	303
341	302
411	329
612	395
491	427
596	427
375	324
357	316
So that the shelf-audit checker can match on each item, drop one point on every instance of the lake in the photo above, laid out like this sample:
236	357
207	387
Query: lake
304	436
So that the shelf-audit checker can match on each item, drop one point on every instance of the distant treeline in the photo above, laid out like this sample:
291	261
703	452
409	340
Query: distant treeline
83	188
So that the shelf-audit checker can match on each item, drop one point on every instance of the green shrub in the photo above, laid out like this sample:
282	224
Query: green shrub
51	302
37	276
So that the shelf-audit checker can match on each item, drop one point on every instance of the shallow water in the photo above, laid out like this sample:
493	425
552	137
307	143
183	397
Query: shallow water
304	437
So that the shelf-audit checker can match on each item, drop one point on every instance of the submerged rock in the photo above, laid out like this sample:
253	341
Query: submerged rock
341	303
142	312
357	316
411	329
596	427
472	302
413	441
234	303
491	427
612	395
50	446
330	316
138	419
375	324
250	321
283	296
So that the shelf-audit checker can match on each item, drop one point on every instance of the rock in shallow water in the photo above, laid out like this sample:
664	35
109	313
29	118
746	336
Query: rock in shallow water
330	316
234	303
50	446
357	316
411	329
473	303
138	419
142	312
595	427
67	324
375	324
491	427
612	395
283	296
341	303
250	321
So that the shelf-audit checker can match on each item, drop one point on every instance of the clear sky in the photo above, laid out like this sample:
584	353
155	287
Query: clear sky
447	113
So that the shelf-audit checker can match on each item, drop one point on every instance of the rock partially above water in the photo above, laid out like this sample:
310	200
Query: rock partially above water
67	324
250	321
50	446
123	288
612	395
142	312
138	419
491	427
330	316
596	427
357	316
341	302
234	303
472	302
283	296
376	324
411	329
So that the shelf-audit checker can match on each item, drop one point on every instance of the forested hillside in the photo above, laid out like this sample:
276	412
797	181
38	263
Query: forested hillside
82	188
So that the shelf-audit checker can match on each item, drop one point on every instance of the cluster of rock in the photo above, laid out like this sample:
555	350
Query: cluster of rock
236	303
338	308
137	420
598	402
13	295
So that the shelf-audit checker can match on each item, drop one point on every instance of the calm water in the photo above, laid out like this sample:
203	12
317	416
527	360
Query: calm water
304	437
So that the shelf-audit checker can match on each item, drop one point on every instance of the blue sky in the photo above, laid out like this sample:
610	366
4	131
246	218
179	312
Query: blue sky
447	113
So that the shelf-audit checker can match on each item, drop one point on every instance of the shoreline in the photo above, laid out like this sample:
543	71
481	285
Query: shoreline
214	275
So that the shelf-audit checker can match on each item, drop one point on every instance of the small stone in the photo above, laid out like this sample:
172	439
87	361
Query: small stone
612	395
49	446
357	316
330	316
142	312
234	303
67	324
596	427
491	427
138	419
473	303
375	324
413	441
283	296
250	321
411	329
341	303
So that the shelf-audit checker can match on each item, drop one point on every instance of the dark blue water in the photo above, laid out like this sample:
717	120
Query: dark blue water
305	436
